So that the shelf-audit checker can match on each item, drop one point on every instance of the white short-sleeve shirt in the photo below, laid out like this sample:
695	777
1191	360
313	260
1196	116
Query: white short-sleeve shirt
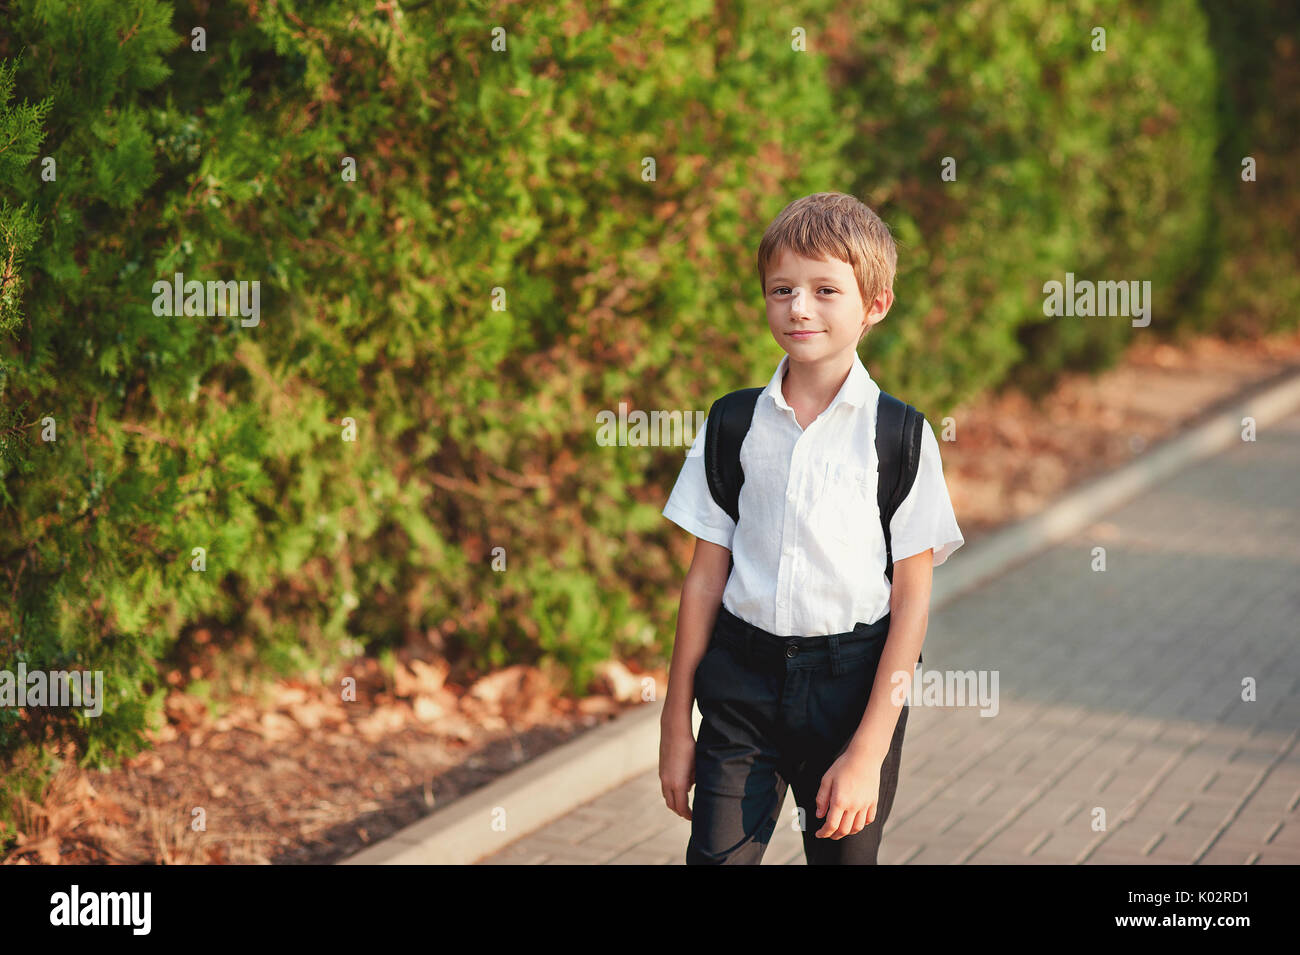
808	551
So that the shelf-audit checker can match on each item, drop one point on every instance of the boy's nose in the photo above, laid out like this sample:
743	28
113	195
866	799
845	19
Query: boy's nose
797	303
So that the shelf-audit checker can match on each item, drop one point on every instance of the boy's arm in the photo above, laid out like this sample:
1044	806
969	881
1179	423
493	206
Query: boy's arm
701	598
909	615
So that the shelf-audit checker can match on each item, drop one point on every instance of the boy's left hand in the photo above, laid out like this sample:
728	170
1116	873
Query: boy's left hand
848	794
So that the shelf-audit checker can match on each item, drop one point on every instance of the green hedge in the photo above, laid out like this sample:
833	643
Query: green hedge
476	170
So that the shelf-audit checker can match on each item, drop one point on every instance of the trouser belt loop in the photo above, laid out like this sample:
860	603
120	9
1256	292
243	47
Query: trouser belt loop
836	668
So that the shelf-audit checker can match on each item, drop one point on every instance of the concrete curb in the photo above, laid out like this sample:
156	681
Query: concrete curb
577	772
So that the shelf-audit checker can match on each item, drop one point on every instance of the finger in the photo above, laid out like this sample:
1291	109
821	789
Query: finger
823	796
674	798
846	824
833	817
859	822
851	823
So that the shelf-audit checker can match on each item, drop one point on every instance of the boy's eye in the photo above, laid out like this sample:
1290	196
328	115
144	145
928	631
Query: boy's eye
785	290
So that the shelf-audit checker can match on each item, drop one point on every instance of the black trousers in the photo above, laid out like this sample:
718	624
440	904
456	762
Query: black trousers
777	712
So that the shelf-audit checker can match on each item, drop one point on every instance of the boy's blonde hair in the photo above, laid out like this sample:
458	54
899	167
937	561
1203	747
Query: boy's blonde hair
829	225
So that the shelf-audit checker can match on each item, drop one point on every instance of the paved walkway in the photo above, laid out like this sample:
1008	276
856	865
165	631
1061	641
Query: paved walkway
1118	692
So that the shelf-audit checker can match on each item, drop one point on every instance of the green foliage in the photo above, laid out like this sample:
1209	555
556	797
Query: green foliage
1069	159
1249	280
20	135
26	773
512	177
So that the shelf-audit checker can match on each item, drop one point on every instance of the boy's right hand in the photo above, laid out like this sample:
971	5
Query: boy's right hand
676	765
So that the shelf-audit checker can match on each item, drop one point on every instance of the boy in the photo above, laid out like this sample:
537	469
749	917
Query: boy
790	652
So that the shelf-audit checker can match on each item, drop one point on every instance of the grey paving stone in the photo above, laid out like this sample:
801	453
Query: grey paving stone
1278	794
516	854
1274	855
643	857
1198	814
1263	828
1228	855
580	854
938	854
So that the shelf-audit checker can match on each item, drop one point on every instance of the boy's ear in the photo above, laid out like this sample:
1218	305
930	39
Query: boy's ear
885	301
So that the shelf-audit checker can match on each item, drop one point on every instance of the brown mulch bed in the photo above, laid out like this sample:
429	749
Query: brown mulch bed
306	777
303	777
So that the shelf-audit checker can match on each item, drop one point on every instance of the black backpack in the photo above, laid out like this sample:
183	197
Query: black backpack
898	446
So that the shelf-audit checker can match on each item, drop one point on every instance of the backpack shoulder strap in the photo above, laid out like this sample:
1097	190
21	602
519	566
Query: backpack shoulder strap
728	423
898	448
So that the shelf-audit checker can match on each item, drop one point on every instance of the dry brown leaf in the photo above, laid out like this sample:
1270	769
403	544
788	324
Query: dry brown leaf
287	695
277	726
47	850
427	709
496	687
165	734
310	714
419	676
618	681
455	726
597	705
381	721
405	683
185	711
430	676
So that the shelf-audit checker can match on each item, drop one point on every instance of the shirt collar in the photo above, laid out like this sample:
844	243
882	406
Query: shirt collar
857	389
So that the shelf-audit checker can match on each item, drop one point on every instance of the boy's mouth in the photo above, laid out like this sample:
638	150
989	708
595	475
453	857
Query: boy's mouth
803	334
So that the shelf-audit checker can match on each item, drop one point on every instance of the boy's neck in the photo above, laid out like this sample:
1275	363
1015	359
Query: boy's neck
815	384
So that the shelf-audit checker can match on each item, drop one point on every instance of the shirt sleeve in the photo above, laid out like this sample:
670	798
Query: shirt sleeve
925	518
692	507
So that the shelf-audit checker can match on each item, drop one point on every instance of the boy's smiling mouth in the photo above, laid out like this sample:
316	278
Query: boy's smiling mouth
803	334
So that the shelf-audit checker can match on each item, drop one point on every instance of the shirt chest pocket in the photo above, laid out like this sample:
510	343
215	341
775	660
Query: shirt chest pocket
846	502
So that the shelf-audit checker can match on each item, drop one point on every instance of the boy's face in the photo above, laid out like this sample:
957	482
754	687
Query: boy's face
821	299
